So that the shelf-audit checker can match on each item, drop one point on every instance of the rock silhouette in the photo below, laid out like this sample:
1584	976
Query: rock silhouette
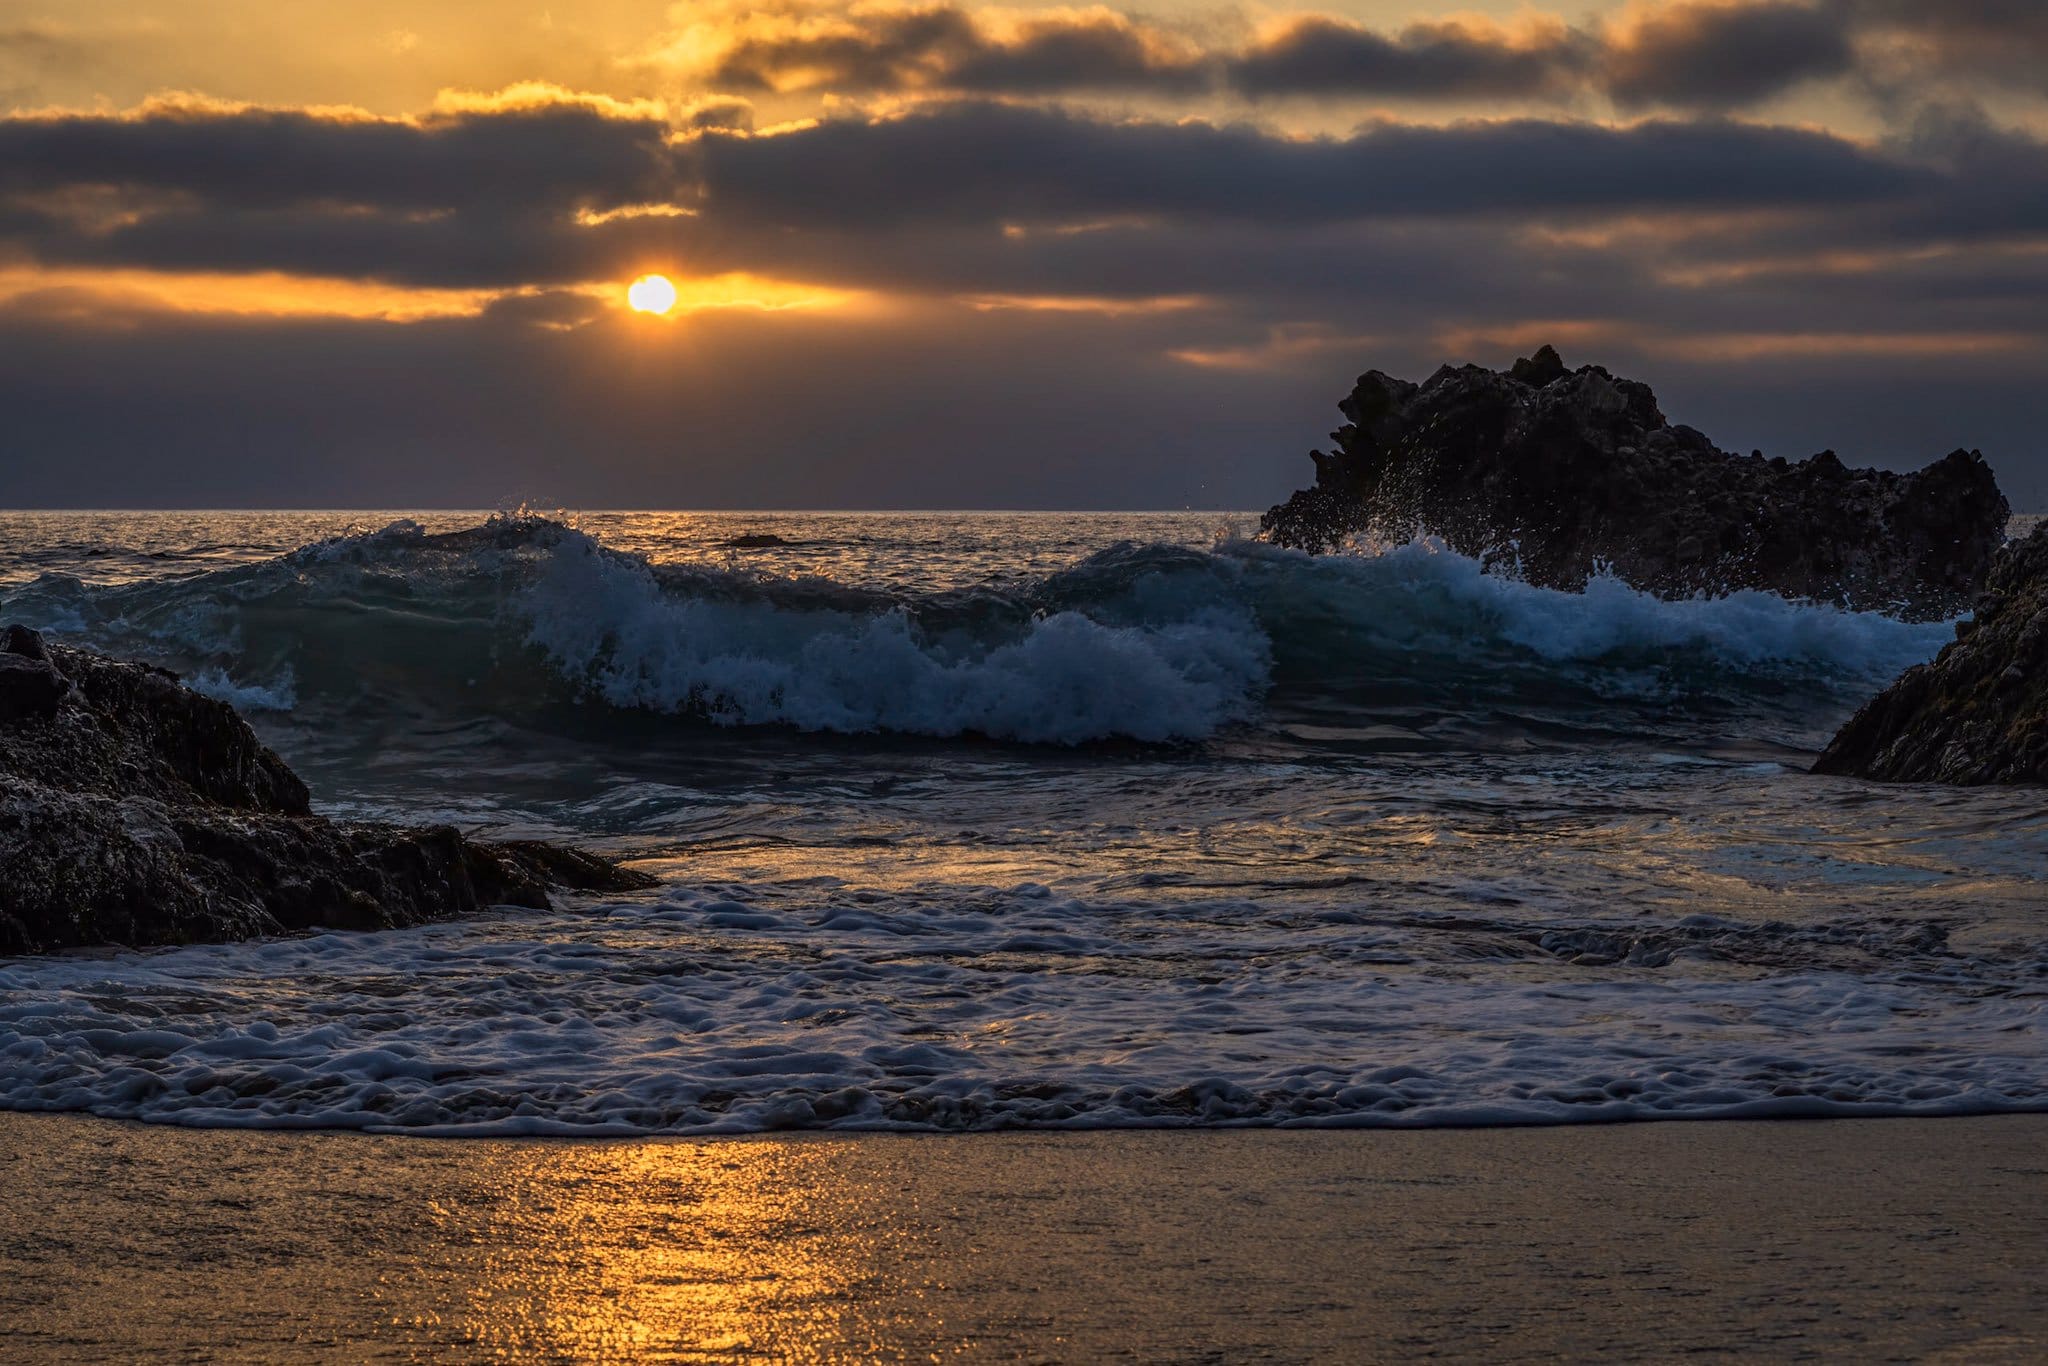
1567	472
135	811
1979	713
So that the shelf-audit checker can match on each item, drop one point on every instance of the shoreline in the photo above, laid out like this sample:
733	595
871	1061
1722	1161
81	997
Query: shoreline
1903	1238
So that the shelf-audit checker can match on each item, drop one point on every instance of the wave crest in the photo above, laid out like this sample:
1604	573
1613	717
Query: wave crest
1144	642
609	623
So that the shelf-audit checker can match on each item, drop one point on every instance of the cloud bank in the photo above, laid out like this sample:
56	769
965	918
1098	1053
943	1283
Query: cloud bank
949	240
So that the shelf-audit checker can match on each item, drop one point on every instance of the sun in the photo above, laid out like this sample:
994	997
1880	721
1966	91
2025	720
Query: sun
652	294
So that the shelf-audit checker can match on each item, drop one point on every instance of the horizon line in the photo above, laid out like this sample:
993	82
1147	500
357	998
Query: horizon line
719	511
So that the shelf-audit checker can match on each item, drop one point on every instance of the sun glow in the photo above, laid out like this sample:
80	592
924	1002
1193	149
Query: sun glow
652	294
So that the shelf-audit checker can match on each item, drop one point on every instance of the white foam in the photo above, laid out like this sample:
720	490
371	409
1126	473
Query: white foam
604	620
738	1008
1423	592
277	695
1150	643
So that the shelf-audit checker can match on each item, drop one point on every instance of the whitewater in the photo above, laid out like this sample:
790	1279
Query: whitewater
969	821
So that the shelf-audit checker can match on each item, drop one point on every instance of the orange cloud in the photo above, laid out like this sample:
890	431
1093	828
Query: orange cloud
527	96
112	295
1072	303
1285	344
87	294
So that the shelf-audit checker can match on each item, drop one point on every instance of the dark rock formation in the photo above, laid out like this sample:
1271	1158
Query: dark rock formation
1977	714
755	540
1564	471
135	811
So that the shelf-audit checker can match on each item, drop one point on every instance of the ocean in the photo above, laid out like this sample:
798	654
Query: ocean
978	821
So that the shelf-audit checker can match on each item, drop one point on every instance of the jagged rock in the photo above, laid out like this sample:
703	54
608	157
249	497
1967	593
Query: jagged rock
1979	712
19	640
1564	471
29	688
135	811
135	731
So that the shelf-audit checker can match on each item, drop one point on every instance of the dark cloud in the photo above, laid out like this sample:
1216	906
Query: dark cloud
1999	176
882	50
267	158
717	111
948	48
396	202
468	412
1718	55
1689	54
547	308
1030	165
1995	41
472	249
945	47
1178	292
1417	228
1722	54
1084	52
1318	56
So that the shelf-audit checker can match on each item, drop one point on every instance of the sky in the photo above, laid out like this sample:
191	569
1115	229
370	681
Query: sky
293	253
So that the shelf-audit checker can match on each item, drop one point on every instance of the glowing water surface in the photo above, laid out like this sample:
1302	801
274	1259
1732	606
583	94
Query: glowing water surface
983	821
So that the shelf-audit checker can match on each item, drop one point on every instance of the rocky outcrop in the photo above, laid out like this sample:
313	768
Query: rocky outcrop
135	811
1565	471
1979	712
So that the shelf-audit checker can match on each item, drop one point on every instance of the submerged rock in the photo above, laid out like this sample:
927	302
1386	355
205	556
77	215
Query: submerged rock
1569	471
135	811
1979	712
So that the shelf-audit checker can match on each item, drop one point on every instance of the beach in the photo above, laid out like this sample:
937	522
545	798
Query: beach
1866	1240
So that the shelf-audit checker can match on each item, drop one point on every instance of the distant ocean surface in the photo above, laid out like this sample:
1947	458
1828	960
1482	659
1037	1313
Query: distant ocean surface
972	821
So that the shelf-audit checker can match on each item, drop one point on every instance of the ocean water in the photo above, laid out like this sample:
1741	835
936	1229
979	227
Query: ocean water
970	821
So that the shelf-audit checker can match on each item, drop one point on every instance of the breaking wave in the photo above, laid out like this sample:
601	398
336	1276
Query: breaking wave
1145	643
1426	846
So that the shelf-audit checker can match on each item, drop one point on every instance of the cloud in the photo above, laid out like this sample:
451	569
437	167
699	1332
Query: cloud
728	113
1721	54
1704	220
897	48
1449	60
1092	49
545	97
945	47
2000	175
508	153
1670	54
467	412
518	194
1005	164
1915	52
1093	222
894	413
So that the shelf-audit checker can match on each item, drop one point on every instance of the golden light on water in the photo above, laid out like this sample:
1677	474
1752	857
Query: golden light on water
682	1251
652	294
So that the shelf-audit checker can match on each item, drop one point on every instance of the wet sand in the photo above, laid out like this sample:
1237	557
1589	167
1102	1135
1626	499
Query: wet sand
1864	1240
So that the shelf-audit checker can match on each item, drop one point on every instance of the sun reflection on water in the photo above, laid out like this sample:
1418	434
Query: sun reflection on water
673	1251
